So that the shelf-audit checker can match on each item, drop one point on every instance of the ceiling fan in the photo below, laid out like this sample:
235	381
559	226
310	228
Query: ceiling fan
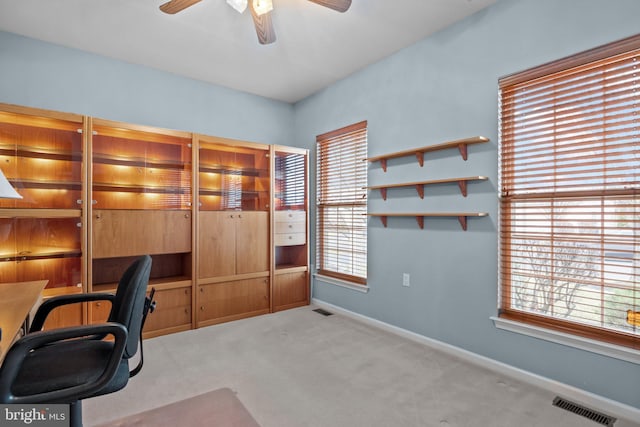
260	12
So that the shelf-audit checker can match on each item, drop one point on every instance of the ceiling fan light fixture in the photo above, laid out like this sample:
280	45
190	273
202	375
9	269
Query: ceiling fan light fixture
262	6
239	5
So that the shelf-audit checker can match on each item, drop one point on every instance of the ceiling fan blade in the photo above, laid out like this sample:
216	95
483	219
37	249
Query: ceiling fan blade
264	26
175	6
339	5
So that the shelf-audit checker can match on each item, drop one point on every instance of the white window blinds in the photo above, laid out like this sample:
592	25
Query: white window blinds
570	194
341	249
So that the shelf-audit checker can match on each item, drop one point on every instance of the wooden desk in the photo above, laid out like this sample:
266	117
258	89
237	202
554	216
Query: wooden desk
16	301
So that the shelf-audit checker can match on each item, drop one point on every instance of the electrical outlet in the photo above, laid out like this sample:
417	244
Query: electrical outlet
406	279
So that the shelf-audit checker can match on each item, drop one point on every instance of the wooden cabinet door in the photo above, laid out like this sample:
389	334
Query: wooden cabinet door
290	290
252	242
99	311
217	244
173	310
225	301
120	233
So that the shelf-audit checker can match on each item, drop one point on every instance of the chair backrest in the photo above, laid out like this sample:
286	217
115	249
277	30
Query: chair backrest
128	305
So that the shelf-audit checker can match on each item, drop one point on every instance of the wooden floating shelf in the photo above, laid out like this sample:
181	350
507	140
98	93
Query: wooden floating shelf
461	144
462	184
419	216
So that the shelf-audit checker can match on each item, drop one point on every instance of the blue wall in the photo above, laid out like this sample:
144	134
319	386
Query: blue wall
42	75
444	88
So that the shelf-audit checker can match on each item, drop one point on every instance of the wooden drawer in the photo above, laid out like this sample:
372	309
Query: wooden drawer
290	216
290	227
99	311
290	239
225	301
173	308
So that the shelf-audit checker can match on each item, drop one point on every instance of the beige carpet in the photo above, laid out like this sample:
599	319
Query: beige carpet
297	368
218	408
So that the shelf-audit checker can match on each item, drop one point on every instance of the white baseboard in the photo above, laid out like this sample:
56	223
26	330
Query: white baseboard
597	402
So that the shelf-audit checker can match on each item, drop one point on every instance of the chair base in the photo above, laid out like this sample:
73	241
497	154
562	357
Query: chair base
75	414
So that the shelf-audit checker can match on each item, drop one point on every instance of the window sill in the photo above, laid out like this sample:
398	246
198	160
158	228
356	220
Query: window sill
341	283
602	348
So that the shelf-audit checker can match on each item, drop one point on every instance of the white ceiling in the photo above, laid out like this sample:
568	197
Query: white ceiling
211	42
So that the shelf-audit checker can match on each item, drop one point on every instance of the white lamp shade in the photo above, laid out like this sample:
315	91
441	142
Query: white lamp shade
239	5
262	6
6	190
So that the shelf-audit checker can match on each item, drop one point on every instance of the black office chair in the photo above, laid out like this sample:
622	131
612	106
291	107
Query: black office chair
67	365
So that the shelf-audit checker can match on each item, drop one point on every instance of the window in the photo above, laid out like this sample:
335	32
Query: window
570	194
341	241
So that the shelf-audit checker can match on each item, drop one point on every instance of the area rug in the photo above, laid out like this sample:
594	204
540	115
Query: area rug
218	408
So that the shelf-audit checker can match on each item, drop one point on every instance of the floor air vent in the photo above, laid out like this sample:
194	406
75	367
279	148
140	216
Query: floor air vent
323	312
596	416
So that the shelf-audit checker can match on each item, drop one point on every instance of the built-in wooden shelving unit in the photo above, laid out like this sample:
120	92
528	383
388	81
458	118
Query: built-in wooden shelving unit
226	222
41	154
290	226
419	216
461	144
141	191
462	183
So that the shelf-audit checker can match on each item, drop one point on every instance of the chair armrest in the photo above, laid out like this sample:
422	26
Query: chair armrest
30	343
48	305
